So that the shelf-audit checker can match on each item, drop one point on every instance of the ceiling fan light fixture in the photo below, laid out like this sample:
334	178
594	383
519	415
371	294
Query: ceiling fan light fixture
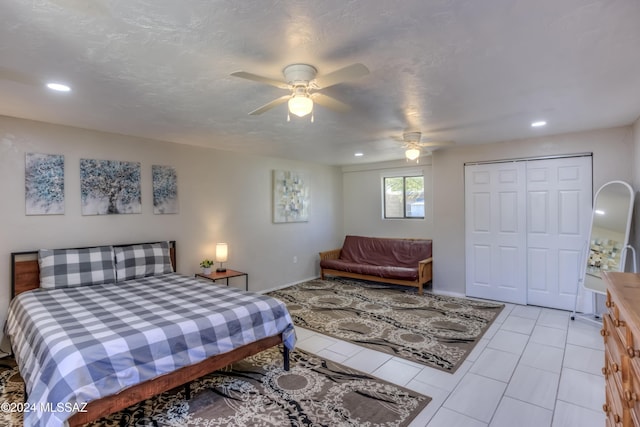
412	154
300	105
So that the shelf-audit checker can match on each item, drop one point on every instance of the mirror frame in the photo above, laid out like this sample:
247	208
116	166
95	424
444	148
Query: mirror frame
625	242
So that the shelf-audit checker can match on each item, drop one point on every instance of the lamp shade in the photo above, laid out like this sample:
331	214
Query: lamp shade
412	153
300	105
222	252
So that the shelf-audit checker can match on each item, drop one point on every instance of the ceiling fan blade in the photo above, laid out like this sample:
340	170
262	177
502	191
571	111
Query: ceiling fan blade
331	103
436	143
261	79
349	72
17	77
270	105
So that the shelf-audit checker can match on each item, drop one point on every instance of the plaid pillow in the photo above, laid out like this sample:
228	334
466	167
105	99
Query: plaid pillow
143	260
65	268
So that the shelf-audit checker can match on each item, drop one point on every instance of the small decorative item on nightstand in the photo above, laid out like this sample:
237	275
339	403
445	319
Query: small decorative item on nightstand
206	266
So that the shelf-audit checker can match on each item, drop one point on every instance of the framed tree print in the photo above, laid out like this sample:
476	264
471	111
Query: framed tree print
110	187
44	184
165	189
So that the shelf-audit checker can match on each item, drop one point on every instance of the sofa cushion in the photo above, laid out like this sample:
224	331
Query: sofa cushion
385	252
387	272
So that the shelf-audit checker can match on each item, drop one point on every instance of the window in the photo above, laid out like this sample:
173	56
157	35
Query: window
404	197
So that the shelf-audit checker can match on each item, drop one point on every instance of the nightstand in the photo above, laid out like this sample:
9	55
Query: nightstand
219	275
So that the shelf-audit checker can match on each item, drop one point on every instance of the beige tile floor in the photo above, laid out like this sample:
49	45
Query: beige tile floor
533	367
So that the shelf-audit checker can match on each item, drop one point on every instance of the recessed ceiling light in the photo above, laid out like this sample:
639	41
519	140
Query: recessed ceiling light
538	124
599	212
58	87
359	154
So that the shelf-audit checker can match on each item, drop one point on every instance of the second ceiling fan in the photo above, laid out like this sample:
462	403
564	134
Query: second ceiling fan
303	84
412	141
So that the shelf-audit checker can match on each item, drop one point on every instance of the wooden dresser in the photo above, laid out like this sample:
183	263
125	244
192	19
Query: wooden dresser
621	333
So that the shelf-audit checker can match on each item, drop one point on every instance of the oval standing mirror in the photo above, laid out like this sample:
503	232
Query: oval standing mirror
609	236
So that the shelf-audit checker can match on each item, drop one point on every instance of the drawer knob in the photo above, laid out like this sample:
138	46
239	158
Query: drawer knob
604	332
605	371
616	418
615	367
629	396
619	323
606	408
633	353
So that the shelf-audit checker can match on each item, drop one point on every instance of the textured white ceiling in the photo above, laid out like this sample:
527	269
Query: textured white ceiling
463	70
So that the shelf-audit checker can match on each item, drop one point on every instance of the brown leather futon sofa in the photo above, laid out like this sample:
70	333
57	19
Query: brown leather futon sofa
398	261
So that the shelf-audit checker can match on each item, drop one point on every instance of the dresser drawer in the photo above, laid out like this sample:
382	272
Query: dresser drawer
612	374
630	393
617	371
613	342
619	322
612	407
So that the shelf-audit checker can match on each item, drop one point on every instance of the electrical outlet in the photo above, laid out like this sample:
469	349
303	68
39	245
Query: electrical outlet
295	259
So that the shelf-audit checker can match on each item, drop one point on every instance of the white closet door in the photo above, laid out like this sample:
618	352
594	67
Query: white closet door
495	229
559	193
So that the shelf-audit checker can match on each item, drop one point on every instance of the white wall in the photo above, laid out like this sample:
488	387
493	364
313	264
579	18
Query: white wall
362	186
223	196
612	160
634	238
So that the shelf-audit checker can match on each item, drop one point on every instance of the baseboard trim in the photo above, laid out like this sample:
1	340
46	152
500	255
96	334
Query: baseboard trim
448	293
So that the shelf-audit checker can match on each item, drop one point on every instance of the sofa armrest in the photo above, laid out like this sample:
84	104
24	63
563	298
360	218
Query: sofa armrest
425	270
332	254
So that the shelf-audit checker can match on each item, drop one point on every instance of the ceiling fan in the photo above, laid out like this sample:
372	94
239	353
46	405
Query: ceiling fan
412	141
303	84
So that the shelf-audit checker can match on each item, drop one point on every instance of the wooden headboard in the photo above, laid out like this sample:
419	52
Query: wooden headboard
25	270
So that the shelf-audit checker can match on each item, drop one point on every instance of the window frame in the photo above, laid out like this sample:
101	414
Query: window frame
404	176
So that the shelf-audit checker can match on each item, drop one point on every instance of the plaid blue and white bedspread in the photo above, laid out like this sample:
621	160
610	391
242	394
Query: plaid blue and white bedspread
75	345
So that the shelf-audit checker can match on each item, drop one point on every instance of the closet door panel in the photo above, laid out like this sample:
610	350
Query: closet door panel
495	232
567	186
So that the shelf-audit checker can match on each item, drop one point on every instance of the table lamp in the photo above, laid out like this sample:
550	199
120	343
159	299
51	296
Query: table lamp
222	252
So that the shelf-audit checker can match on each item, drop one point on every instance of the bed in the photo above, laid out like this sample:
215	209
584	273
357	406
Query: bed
95	330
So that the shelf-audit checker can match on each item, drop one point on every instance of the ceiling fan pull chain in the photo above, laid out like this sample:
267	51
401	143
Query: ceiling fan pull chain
288	116
312	119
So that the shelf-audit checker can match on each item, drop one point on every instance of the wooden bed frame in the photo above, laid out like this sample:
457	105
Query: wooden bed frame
25	276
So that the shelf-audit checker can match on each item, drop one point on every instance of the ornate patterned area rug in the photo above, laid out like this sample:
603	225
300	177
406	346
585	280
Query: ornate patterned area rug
258	392
435	330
